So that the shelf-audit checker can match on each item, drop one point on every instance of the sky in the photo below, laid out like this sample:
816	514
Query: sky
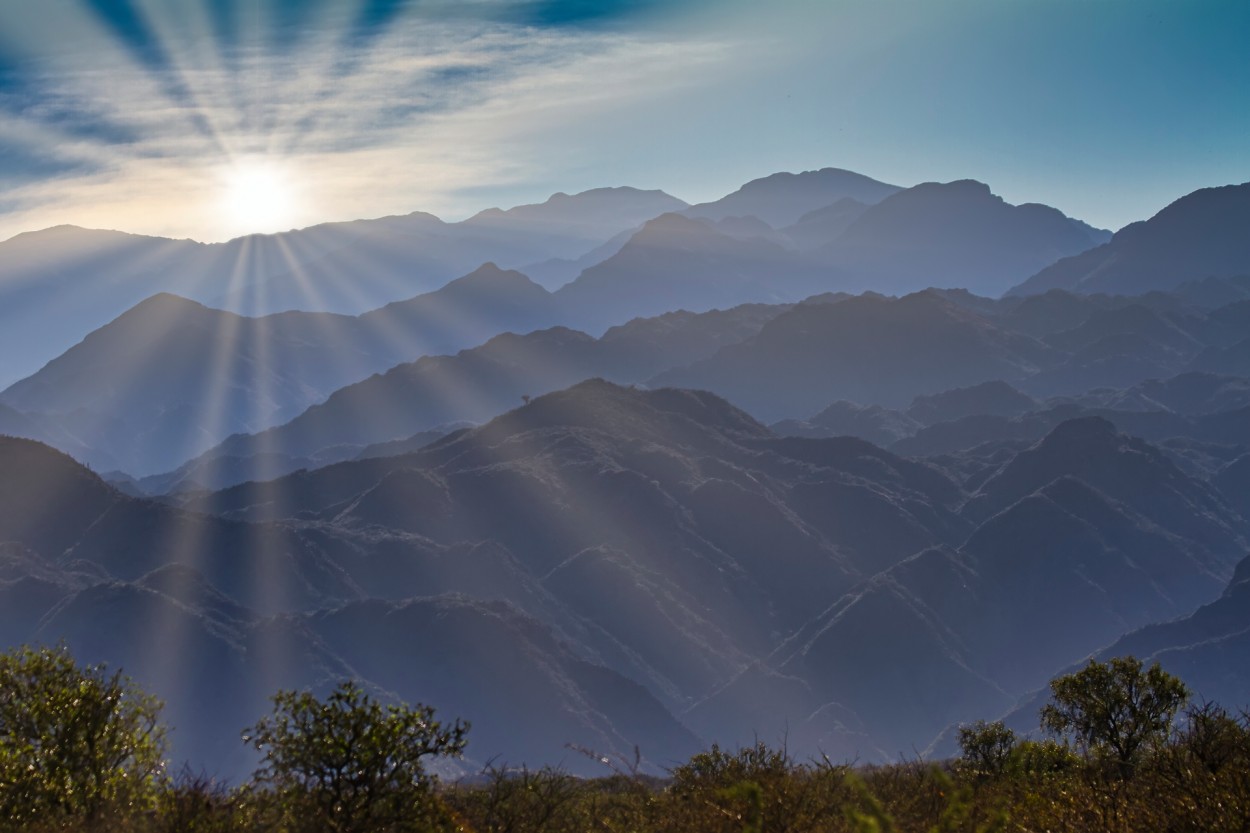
209	119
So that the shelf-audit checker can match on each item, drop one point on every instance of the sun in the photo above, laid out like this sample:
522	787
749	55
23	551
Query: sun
258	196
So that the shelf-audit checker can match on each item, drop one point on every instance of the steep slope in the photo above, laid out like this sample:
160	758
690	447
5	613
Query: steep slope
955	234
49	430
1096	549
202	612
59	283
1130	469
626	555
65	514
1208	649
1201	235
216	665
170	377
679	531
466	312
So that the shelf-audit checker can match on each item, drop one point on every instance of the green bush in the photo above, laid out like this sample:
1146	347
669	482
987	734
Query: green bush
1115	709
75	742
349	764
986	747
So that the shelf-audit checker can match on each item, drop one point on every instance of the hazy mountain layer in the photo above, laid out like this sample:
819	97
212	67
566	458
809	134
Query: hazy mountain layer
1199	236
955	234
56	285
783	199
171	378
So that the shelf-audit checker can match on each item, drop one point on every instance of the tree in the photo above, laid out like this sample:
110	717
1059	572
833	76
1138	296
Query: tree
351	764
986	746
1115	708
74	741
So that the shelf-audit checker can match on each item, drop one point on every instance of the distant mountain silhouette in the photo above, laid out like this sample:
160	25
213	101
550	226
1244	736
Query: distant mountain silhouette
596	214
994	398
956	234
170	377
877	425
783	199
677	263
824	225
868	350
464	313
1201	235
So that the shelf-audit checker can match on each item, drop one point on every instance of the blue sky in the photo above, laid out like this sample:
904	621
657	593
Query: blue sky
161	116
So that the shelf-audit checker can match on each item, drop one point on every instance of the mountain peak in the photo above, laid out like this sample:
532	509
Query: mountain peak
1201	235
781	199
618	208
163	300
673	415
673	222
489	276
1080	433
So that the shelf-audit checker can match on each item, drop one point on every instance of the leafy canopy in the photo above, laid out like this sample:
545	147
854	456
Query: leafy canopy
74	741
1115	708
350	763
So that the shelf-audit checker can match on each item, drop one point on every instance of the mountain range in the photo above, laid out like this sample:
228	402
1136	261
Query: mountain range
616	471
1199	236
82	279
662	537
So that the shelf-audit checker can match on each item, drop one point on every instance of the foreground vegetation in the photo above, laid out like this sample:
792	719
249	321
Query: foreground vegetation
1126	750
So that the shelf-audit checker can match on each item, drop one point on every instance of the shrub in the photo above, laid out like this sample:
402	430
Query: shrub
986	747
351	764
75	742
1115	709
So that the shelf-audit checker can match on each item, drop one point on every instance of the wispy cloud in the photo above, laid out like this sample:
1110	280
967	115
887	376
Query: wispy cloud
370	119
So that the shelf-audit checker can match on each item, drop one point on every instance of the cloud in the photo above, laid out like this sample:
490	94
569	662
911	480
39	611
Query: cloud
434	106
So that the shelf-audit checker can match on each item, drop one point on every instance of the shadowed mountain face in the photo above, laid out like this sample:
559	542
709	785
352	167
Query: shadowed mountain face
1210	648
843	565
867	349
1097	534
640	566
1200	236
188	606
